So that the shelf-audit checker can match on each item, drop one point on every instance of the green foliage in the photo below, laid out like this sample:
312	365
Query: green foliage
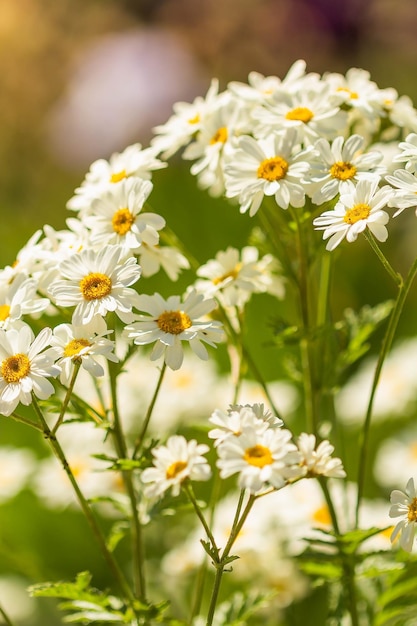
87	605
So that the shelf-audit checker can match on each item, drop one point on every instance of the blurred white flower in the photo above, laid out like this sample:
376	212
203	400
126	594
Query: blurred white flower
175	462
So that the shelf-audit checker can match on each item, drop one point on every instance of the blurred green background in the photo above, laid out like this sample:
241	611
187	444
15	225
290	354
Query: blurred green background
81	79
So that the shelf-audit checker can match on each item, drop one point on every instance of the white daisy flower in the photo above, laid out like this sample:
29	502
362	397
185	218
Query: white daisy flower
360	93
404	504
96	283
311	112
260	88
408	152
19	298
340	161
358	208
175	462
262	458
404	196
117	219
318	461
186	121
25	366
212	143
239	418
133	161
152	258
78	344
170	322
266	167
233	276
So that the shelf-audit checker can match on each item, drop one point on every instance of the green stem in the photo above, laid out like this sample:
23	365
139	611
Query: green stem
24	420
237	527
67	398
108	556
190	493
404	288
398	279
6	618
305	348
138	555
140	438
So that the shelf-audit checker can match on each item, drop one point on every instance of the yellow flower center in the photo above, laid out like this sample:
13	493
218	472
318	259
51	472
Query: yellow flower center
412	511
174	322
118	176
233	273
300	114
195	119
322	516
273	169
174	469
95	286
15	367
220	136
75	346
258	455
4	312
122	221
353	94
358	212
343	170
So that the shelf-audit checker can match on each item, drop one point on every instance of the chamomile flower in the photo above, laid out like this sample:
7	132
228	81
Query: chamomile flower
239	418
262	459
358	208
404	504
152	258
80	345
133	161
319	461
340	161
408	152
25	367
232	276
175	462
186	121
96	283
117	218
309	111
19	298
170	322
260	88
266	167
405	184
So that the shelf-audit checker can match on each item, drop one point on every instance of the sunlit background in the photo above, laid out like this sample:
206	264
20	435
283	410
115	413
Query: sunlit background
80	79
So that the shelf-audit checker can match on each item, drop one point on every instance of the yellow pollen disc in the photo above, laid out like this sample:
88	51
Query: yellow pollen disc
322	516
300	114
4	312
75	346
353	94
358	212
122	221
118	176
234	273
273	169
413	449
15	367
258	455
95	286
220	136
174	322
412	511
174	469
195	119
343	170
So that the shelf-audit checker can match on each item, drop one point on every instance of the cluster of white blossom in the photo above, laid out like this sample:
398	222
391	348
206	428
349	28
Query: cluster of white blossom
305	138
